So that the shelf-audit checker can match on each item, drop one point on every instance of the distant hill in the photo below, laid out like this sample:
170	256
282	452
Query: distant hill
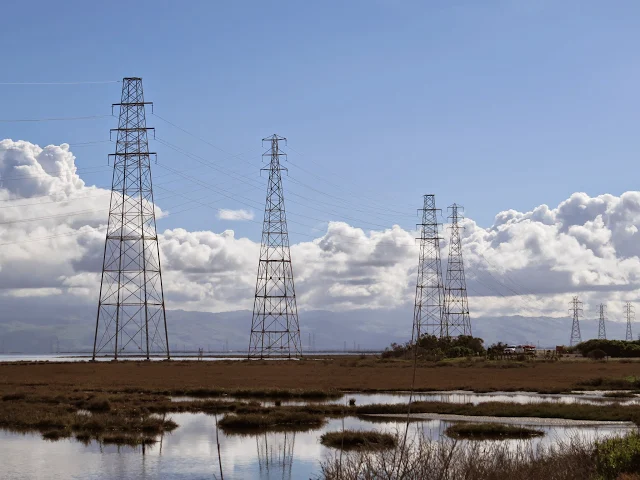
42	327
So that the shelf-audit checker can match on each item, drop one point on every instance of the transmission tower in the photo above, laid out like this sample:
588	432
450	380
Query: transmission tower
602	332
576	310
457	319
630	315
274	327
427	312
131	315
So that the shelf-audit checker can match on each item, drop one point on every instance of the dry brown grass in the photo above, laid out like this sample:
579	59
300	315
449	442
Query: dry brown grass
343	373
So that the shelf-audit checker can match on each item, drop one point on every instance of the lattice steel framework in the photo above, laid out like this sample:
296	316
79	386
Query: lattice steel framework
630	315
602	331
427	311
275	330
131	316
457	319
576	311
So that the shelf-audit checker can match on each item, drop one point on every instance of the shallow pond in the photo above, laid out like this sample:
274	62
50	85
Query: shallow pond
191	451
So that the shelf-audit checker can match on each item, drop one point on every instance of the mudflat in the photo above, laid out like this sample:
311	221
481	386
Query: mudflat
342	373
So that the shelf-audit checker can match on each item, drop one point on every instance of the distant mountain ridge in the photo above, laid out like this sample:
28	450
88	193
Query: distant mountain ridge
44	328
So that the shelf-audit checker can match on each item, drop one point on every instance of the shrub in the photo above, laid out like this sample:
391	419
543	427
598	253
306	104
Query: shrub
98	405
352	402
430	346
616	456
597	354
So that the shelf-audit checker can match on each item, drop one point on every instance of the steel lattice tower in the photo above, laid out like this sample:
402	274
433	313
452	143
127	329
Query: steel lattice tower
576	310
427	312
131	314
457	319
275	330
602	332
630	314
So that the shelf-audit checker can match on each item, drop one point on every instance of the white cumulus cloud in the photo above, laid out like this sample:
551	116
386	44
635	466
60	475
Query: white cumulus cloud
226	214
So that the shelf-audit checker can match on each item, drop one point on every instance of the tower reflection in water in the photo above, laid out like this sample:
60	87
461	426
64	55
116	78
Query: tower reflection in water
275	454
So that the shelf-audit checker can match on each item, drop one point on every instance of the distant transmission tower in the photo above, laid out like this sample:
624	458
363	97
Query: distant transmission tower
576	310
602	332
131	315
457	319
630	315
274	327
427	312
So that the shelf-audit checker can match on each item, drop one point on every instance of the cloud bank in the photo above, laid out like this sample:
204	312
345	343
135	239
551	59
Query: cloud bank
526	263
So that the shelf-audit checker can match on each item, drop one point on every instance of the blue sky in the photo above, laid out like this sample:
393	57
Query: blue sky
493	105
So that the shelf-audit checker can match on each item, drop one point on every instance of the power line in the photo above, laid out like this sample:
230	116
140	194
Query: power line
98	82
55	119
249	163
234	196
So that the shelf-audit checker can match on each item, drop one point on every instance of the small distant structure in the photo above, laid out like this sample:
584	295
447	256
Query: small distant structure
200	353
576	310
630	314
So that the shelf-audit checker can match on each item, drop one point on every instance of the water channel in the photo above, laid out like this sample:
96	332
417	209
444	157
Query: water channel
191	451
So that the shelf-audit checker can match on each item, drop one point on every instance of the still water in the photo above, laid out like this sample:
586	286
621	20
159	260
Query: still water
190	452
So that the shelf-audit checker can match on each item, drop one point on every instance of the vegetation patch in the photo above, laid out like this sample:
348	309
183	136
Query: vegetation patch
358	440
621	394
13	396
575	459
610	348
273	421
627	413
626	383
431	347
130	440
617	456
98	405
270	393
490	431
55	434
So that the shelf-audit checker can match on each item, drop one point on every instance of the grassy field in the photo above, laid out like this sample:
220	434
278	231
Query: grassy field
341	373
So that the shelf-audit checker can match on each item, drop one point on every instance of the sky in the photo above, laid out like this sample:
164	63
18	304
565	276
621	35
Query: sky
503	107
493	105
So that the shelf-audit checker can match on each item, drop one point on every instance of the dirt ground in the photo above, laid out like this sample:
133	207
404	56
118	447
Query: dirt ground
334	373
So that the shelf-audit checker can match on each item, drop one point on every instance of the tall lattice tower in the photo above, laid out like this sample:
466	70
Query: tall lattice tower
427	312
275	330
456	316
131	315
630	315
576	311
602	331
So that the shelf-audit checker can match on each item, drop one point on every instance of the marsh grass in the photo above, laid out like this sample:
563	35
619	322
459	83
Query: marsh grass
604	383
54	435
130	440
629	413
265	393
620	394
272	421
490	431
359	440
